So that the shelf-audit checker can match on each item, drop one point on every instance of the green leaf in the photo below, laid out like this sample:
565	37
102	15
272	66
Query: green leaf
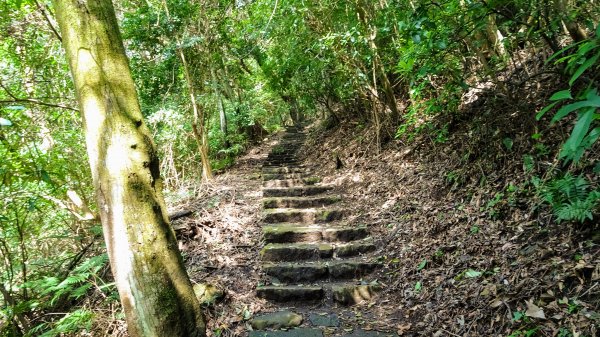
579	131
562	51
540	114
563	94
46	177
517	315
422	264
418	286
590	62
472	273
565	110
508	143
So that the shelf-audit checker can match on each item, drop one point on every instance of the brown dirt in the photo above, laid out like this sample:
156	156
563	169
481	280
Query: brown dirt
469	250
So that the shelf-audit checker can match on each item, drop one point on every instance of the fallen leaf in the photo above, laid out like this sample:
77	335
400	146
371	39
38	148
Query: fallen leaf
534	311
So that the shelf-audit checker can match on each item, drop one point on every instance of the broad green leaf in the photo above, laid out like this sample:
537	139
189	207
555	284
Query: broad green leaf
517	315
564	94
542	112
472	273
579	131
418	286
565	110
590	62
508	143
562	51
422	264
593	98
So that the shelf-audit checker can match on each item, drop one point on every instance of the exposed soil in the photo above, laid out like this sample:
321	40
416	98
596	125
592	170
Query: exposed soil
469	250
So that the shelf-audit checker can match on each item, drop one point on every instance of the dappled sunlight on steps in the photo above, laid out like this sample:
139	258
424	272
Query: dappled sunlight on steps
311	257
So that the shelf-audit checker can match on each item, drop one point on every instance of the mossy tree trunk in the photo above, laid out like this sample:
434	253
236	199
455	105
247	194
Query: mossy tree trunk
154	287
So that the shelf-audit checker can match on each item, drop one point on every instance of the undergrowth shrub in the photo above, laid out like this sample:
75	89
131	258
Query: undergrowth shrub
572	198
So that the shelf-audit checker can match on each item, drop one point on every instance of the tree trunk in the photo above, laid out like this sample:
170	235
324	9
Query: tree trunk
222	115
154	288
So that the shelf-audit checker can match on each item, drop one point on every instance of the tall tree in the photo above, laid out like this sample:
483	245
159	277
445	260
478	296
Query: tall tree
154	287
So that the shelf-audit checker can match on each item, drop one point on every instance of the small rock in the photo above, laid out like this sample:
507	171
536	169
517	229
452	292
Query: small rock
276	320
324	320
352	294
207	294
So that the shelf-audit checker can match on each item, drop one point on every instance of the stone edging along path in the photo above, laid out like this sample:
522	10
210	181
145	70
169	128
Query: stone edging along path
314	259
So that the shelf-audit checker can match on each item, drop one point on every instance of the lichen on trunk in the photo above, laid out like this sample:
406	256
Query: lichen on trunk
153	285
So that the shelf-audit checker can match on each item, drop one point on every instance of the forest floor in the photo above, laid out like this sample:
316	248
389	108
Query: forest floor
461	257
467	247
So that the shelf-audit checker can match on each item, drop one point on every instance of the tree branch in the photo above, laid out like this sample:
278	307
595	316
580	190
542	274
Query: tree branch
43	10
38	102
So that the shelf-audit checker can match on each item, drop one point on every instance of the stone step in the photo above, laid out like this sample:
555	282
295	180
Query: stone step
279	163
298	251
293	272
295	191
283	176
290	293
282	155
301	202
275	170
293	232
355	248
302	215
291	182
344	293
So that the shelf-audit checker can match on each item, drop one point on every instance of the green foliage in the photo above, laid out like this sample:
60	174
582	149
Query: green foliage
571	198
585	133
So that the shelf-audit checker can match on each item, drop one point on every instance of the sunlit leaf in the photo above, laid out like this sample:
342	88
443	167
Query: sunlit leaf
472	273
5	122
590	62
564	94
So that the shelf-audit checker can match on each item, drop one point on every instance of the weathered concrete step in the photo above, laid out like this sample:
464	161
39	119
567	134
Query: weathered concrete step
344	293
296	251
302	215
283	176
282	155
354	248
283	160
291	182
275	170
315	271
298	332
293	232
290	293
301	202
315	251
279	163
295	191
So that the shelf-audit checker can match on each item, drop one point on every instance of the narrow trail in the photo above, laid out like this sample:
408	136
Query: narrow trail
317	264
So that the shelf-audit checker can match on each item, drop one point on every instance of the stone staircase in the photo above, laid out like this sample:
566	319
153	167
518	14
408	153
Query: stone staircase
311	255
